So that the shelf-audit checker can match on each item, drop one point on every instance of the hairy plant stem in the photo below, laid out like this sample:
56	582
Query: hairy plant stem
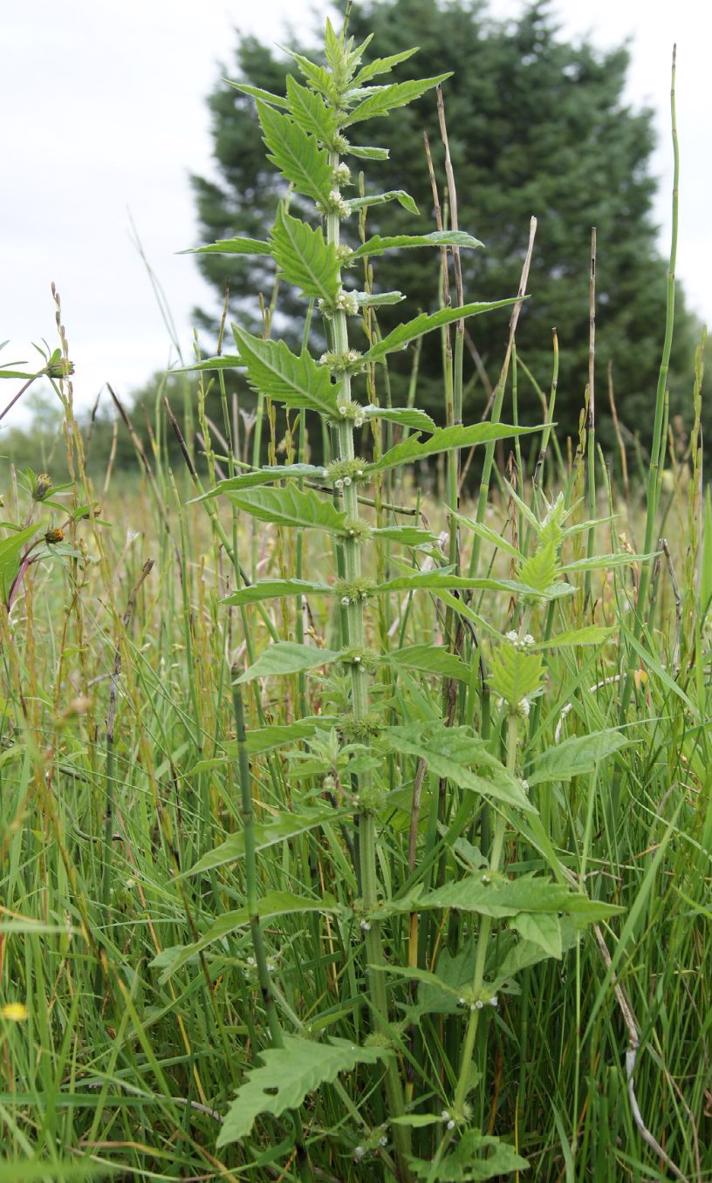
354	640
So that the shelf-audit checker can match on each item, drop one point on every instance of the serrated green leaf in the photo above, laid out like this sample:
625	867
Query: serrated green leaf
266	739
487	534
404	416
382	66
426	322
576	756
388	98
290	506
310	111
444	440
315	75
256	92
443	580
275	903
276	589
295	380
543	930
297	155
263	476
515	673
438	238
287	657
604	562
231	246
541	569
430	659
304	257
593	634
279	828
287	1076
454	753
491	894
476	1157
404	199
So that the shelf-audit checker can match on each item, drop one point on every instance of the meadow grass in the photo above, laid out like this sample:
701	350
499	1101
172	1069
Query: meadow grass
217	885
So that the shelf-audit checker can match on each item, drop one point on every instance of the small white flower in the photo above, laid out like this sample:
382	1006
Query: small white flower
451	1124
512	636
345	601
359	1153
494	1001
365	926
479	1004
445	1115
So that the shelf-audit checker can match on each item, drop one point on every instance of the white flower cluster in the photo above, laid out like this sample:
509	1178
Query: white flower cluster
524	642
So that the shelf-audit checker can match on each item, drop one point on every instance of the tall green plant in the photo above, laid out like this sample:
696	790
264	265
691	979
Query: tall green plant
411	1009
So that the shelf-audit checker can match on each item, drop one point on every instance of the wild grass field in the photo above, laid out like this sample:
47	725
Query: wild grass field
353	825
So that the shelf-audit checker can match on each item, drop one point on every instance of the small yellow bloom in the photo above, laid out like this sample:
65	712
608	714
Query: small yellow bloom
14	1012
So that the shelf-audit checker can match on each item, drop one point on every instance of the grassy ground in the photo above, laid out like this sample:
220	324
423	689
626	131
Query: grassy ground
118	773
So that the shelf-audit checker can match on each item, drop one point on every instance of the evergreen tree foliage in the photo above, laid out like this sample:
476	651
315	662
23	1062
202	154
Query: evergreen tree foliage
537	125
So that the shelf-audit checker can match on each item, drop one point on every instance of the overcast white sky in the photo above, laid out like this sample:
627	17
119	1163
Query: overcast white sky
103	111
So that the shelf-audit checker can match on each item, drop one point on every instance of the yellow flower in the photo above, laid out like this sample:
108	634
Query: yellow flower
14	1012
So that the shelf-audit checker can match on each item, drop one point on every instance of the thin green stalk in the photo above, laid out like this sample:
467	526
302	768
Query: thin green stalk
658	445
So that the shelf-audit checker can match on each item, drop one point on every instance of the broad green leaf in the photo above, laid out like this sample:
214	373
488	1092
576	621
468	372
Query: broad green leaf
277	589
297	155
295	380
426	322
287	1076
11	550
453	753
388	98
404	416
438	238
404	199
256	92
476	1157
231	246
304	257
593	634
576	756
280	828
310	111
405	535
430	659
382	66
543	930
275	903
515	673
263	476
287	657
444	440
290	506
